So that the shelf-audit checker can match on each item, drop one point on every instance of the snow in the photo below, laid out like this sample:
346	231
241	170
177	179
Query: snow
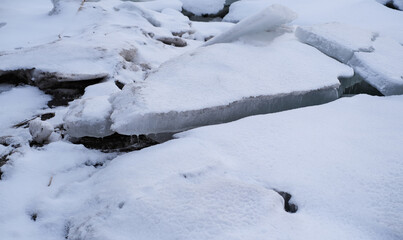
35	177
340	161
203	7
206	30
224	82
398	3
14	108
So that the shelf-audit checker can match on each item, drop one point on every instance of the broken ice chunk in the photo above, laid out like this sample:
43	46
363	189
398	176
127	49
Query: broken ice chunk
89	117
267	20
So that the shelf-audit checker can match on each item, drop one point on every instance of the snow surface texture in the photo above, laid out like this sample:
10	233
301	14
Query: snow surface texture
340	161
378	60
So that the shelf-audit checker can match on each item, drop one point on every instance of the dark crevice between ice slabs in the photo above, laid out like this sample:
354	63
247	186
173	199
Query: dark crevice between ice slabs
116	142
356	85
62	89
288	205
217	17
391	4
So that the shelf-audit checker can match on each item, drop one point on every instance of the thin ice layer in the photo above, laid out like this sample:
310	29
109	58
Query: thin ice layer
215	84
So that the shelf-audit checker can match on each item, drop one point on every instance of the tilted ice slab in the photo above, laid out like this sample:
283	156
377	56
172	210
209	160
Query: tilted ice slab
341	162
337	40
268	19
382	68
378	60
225	82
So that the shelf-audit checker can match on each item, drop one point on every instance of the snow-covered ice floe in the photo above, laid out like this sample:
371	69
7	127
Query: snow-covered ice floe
341	162
378	60
262	72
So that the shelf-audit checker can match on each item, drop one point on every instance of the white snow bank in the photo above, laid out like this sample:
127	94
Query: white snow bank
199	8
268	19
224	82
341	162
19	104
337	40
382	68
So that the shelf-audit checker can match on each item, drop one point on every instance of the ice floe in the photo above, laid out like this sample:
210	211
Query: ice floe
224	82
